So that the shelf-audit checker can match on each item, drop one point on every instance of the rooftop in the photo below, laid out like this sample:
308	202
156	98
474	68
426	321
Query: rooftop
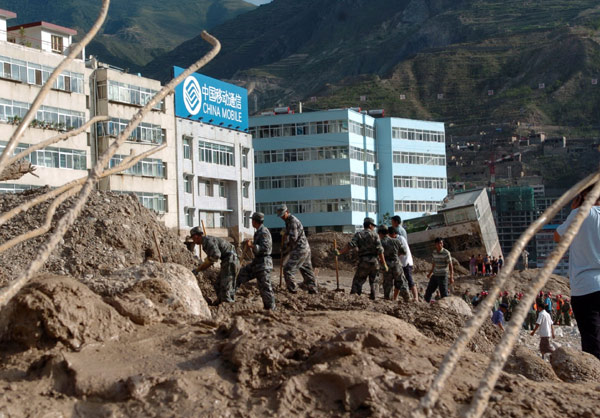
46	25
7	14
460	200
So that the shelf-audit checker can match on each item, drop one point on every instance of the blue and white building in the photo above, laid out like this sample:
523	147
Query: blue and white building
333	168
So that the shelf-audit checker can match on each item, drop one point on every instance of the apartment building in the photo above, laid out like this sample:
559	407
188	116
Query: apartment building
28	55
119	95
333	168
214	157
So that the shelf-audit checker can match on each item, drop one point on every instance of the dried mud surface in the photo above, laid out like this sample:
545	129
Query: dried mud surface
103	334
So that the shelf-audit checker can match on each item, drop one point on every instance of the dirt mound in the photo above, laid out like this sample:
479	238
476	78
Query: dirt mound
518	282
151	291
321	248
113	232
525	362
54	309
575	366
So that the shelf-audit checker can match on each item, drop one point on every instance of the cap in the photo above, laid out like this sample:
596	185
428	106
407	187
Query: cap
382	229
281	210
258	217
196	231
369	221
392	230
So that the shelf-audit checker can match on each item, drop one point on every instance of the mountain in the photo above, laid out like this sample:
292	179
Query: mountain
469	63
135	31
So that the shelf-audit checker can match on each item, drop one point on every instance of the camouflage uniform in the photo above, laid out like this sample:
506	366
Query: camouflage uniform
215	249
566	316
296	245
369	247
530	319
260	267
394	277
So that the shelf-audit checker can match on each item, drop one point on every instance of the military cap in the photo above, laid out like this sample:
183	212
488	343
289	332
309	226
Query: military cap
281	210
258	217
196	231
392	230
369	221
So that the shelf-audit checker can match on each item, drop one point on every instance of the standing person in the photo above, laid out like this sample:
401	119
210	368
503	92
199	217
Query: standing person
397	223
500	263
584	273
494	266
370	251
480	267
441	271
473	265
498	316
566	313
261	266
525	259
548	302
530	318
487	264
296	245
215	249
406	260
394	277
544	324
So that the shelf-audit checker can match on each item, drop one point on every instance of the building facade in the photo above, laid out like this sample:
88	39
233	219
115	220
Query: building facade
333	168
28	55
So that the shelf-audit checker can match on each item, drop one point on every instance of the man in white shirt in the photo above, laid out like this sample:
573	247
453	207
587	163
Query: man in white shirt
406	260
584	273
546	327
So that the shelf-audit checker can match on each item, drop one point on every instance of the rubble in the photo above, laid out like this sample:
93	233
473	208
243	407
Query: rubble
575	366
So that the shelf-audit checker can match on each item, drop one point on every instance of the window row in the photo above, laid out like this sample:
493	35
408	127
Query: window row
127	93
317	206
419	206
313	154
418	135
150	167
58	118
37	74
216	154
15	188
419	158
311	128
206	187
420	182
144	132
154	201
314	180
53	157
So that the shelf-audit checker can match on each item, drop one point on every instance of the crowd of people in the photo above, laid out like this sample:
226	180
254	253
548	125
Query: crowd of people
485	265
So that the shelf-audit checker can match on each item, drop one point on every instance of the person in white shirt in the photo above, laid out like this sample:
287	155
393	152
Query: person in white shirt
584	273
545	325
406	260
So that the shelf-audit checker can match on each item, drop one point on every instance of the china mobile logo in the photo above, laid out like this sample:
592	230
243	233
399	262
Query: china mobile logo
192	97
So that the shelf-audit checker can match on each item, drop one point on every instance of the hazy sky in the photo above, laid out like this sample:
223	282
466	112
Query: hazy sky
258	2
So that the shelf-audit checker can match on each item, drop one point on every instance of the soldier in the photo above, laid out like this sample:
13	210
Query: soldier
392	250
215	249
262	264
369	251
566	313
296	245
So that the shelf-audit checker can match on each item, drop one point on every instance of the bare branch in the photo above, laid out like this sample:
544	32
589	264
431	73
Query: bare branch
482	313
503	350
12	143
57	138
16	169
127	162
69	217
44	228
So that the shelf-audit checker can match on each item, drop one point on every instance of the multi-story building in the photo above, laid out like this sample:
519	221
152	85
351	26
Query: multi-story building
333	168
214	157
120	96
28	55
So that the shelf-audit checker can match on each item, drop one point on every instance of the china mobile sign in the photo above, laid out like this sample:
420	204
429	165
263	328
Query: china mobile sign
212	101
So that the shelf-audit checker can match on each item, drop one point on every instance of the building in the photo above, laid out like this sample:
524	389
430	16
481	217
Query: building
214	157
333	168
465	221
28	55
119	95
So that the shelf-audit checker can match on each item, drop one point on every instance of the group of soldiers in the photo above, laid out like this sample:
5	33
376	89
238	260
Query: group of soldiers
383	247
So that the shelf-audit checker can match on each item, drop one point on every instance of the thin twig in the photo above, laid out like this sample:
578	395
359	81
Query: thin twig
14	139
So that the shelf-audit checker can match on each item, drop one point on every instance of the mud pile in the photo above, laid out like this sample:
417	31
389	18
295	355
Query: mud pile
113	232
518	282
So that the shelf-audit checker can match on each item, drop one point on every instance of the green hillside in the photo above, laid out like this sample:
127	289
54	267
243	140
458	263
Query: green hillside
135	31
468	63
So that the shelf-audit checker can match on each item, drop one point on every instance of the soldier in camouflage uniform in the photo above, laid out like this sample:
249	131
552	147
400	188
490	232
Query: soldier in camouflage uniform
394	277
215	249
369	251
262	264
295	246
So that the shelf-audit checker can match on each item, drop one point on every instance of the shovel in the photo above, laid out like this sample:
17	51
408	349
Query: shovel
337	268
281	262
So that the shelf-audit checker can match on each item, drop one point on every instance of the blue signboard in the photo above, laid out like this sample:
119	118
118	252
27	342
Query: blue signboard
211	101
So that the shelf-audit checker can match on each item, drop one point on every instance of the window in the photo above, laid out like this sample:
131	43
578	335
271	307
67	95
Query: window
245	189
245	152
187	183
215	153
247	219
145	132
148	167
222	223
134	95
189	216
209	188
57	43
53	157
222	189
210	219
187	148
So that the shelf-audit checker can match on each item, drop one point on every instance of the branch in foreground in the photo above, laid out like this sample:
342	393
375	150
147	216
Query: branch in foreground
17	169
